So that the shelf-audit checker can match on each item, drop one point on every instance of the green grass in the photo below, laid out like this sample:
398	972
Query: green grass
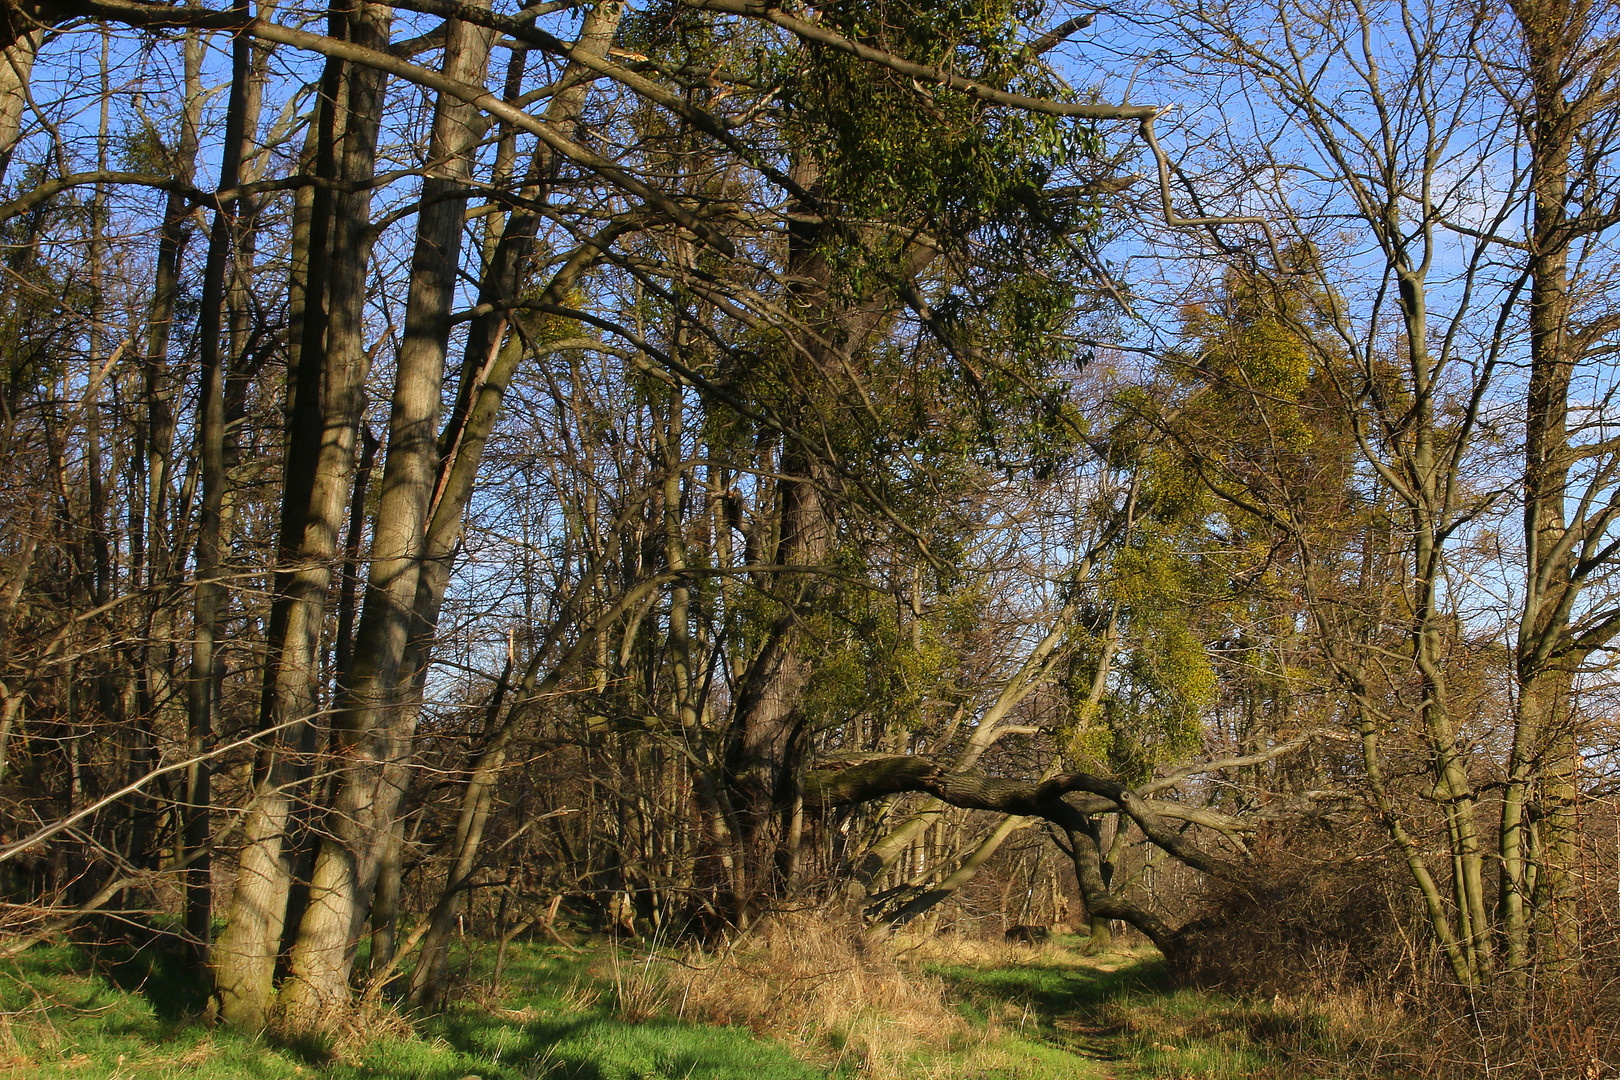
1120	1010
129	1014
74	1014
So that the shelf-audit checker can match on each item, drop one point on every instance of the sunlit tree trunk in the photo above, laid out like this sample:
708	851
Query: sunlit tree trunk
155	432
316	993
16	65
374	726
1570	85
490	356
326	387
488	364
211	439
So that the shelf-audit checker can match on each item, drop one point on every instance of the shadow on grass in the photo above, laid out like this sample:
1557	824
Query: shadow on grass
554	1021
134	1010
594	1045
159	970
1125	1010
1050	991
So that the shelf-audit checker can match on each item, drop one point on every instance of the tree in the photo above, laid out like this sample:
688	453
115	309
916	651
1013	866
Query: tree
777	316
1563	99
1393	145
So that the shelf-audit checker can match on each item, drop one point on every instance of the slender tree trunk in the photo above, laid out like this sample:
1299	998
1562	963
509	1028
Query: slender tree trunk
326	390
1544	760
477	802
374	723
348	593
487	365
1030	676
210	593
965	872
767	726
155	437
764	735
764	728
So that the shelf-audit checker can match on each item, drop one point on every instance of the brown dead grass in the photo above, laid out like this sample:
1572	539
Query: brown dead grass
360	1028
642	986
916	949
817	981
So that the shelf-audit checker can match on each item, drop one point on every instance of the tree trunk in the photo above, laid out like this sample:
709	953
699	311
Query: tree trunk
487	365
1070	801
1544	759
16	65
156	430
326	388
385	911
764	739
373	720
477	802
210	593
969	868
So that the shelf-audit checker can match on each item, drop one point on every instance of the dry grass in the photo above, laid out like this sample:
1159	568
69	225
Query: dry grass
1549	1032
994	952
1339	1033
818	982
22	1035
641	986
362	1028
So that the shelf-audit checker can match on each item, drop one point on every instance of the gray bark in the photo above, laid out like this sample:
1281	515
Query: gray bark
16	65
327	393
210	593
373	719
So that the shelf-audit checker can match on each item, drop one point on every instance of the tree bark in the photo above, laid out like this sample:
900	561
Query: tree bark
326	388
16	65
488	364
210	593
316	993
370	703
1055	800
1544	758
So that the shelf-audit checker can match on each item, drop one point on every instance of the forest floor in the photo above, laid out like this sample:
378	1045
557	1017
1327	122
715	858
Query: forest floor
598	1012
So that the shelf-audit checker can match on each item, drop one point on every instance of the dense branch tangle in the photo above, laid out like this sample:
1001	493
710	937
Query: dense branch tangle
657	464
629	589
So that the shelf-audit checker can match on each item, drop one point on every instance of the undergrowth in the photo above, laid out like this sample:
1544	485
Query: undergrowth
122	1015
820	985
1125	1011
798	998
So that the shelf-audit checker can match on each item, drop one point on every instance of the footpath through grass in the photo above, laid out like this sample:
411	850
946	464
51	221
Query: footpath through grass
1046	1014
1119	1013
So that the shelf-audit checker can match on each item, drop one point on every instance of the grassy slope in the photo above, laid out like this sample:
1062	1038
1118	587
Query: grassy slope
1050	1015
